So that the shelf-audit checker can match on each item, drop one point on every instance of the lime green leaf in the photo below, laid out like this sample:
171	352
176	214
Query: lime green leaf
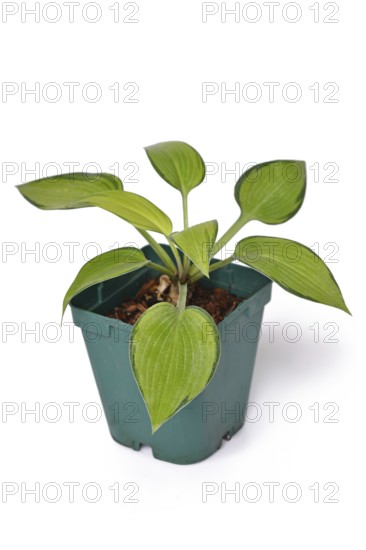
272	192
293	266
133	208
197	243
105	266
178	164
173	355
59	192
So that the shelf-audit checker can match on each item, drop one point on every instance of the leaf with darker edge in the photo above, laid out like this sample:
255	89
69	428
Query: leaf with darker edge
64	191
293	266
103	267
173	355
178	164
271	192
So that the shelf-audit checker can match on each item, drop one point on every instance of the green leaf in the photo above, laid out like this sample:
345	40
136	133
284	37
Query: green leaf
105	266
133	208
272	192
59	192
293	266
197	243
173	354
178	164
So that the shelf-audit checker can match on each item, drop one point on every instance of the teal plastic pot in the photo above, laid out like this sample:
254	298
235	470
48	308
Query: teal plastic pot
197	430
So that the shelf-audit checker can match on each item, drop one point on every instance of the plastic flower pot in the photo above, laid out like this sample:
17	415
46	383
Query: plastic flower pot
196	431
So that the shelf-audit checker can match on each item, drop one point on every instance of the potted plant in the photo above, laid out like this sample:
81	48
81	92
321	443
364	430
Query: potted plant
177	379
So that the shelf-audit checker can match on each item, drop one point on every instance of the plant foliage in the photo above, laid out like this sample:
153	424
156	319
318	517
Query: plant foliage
172	358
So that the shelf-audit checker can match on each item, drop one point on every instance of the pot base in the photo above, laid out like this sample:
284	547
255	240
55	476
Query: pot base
160	453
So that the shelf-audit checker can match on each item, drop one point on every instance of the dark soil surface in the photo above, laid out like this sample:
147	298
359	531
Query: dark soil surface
217	302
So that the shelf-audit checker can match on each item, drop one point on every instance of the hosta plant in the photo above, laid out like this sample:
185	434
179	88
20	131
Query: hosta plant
173	358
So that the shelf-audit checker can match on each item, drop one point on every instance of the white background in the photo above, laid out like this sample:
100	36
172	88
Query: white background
169	53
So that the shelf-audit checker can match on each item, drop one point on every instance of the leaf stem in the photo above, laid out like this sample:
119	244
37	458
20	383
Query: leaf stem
182	296
186	262
176	256
222	263
159	250
230	233
185	210
164	270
